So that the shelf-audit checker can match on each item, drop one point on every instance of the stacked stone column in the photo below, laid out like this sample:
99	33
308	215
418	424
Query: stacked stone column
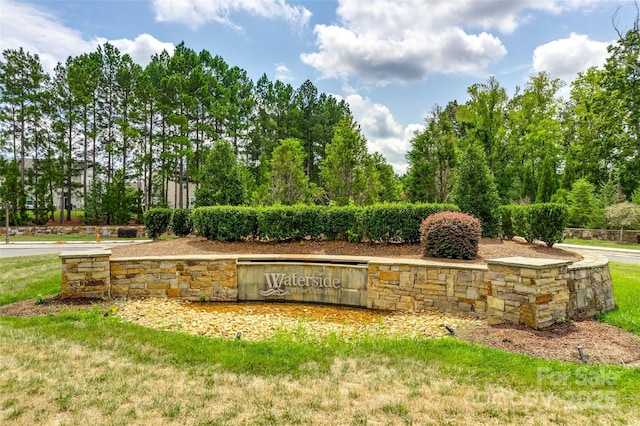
527	291
86	274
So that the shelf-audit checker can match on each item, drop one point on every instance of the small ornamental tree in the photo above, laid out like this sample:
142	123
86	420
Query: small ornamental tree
450	235
475	191
622	215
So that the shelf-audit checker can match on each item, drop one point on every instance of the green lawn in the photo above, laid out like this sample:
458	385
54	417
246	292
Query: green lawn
626	292
81	367
602	243
28	277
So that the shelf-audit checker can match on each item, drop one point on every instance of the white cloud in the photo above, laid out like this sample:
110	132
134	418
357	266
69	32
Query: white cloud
40	32
141	49
195	13
565	58
406	40
383	133
284	74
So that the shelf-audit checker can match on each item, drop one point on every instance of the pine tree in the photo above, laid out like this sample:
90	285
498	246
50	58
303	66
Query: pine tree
475	190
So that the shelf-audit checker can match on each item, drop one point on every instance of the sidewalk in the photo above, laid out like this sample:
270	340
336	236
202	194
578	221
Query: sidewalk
609	249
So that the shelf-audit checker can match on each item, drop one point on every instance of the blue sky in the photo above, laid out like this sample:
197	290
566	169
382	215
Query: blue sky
392	60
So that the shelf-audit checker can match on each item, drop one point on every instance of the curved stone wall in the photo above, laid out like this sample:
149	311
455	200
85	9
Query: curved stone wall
535	292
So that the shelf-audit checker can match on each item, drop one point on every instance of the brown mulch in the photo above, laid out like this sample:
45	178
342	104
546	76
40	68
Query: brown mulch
488	249
601	343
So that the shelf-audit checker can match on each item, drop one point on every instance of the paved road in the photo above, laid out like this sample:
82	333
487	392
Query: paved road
34	249
614	255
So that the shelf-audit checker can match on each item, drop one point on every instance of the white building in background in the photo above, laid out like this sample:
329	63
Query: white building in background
77	199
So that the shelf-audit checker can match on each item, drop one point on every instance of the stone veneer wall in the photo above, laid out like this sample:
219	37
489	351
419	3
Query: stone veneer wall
402	285
629	236
535	292
86	274
104	231
209	278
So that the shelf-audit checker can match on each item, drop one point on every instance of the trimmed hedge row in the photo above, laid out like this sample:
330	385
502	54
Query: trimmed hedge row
381	223
544	222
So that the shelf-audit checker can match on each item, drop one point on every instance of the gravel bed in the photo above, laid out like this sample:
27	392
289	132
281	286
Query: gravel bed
262	321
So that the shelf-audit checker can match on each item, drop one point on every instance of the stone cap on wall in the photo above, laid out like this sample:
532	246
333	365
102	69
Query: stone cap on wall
529	262
92	252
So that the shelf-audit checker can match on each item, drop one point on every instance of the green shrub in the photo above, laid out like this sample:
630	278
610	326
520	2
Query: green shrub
544	222
397	222
475	190
181	222
225	223
157	221
290	222
450	235
506	220
521	220
548	221
342	223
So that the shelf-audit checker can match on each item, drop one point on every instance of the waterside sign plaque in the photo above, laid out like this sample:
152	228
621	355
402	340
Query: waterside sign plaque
303	282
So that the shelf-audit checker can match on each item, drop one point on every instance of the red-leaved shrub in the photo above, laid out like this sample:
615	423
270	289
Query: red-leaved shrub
450	235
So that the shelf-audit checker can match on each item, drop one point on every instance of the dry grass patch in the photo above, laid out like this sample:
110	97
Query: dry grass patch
59	381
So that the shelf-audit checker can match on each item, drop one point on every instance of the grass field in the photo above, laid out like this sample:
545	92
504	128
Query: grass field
91	367
602	243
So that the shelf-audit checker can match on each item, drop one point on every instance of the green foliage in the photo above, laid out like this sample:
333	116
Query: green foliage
544	222
450	235
181	222
396	222
342	223
623	215
522	222
348	171
548	221
157	221
93	211
608	192
290	222
382	223
222	180
475	190
225	223
432	158
11	191
635	198
507	220
287	179
584	210
548	181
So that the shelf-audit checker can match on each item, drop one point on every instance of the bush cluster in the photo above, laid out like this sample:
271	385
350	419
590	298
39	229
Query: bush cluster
544	222
506	220
127	232
381	223
157	221
450	235
181	222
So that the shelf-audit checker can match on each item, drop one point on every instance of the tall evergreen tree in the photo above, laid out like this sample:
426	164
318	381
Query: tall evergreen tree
475	191
222	178
348	172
